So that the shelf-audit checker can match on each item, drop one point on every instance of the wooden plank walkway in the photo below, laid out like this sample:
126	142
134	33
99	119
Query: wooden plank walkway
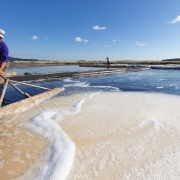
75	74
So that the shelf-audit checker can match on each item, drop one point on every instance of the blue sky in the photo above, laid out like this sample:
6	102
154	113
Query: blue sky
69	30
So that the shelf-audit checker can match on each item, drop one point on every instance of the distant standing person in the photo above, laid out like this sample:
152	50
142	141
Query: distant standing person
4	52
108	63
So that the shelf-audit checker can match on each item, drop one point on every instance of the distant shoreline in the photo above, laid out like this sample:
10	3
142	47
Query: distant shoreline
25	64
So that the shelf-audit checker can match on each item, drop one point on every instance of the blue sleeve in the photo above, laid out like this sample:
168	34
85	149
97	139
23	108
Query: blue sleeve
5	53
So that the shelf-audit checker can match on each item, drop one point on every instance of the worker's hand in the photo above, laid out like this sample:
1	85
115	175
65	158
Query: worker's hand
1	72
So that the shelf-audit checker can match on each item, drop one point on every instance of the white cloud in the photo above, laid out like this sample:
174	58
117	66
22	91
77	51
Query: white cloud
46	38
140	43
116	40
78	39
134	49
98	28
177	19
34	37
107	46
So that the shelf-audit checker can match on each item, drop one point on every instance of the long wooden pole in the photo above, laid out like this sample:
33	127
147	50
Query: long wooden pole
4	91
21	92
29	85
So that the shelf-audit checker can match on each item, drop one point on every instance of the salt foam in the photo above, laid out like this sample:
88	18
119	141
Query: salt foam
84	84
57	158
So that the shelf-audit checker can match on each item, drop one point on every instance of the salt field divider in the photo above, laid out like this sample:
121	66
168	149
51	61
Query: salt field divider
27	103
73	74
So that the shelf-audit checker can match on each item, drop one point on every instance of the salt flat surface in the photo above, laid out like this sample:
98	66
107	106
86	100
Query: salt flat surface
113	135
126	136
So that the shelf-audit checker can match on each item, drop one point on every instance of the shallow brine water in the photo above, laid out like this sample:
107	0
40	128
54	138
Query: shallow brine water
50	69
123	126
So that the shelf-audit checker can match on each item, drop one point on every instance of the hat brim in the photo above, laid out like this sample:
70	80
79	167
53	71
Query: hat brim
1	36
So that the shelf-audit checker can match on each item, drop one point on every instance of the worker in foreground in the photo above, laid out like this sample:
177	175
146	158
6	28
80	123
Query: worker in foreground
4	52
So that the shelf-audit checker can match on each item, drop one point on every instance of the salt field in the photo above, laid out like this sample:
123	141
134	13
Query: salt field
122	126
90	90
